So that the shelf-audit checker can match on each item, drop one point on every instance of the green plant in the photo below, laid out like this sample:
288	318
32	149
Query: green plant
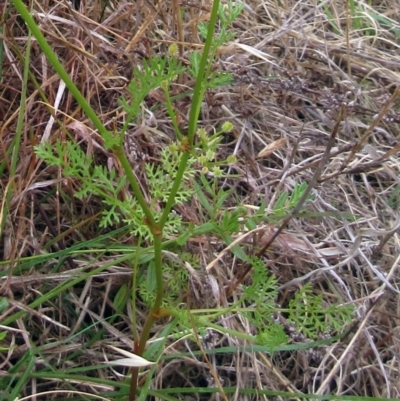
150	219
261	295
258	302
3	307
393	199
107	185
149	214
285	203
312	318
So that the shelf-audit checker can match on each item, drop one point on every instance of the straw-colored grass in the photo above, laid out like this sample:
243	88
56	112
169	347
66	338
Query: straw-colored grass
302	70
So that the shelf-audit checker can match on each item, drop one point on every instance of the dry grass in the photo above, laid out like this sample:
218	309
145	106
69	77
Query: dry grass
297	66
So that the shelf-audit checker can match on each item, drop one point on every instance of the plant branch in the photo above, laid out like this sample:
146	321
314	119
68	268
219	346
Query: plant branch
120	154
314	180
198	91
198	94
47	50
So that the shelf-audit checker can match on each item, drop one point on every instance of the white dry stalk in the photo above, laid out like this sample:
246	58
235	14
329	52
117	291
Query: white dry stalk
230	246
50	123
132	360
339	363
376	293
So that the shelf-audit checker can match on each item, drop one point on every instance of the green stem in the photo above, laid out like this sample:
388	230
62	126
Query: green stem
17	140
135	268
155	309
153	314
171	112
198	94
47	50
119	152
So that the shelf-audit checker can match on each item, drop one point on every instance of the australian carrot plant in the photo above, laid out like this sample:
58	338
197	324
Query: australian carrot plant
150	213
144	215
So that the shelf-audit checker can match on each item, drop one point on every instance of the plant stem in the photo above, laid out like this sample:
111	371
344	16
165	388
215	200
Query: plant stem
172	113
154	311
47	50
17	139
120	154
198	91
198	94
153	314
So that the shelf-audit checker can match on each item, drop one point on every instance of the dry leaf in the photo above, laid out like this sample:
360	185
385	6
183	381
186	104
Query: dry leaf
133	360
272	147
